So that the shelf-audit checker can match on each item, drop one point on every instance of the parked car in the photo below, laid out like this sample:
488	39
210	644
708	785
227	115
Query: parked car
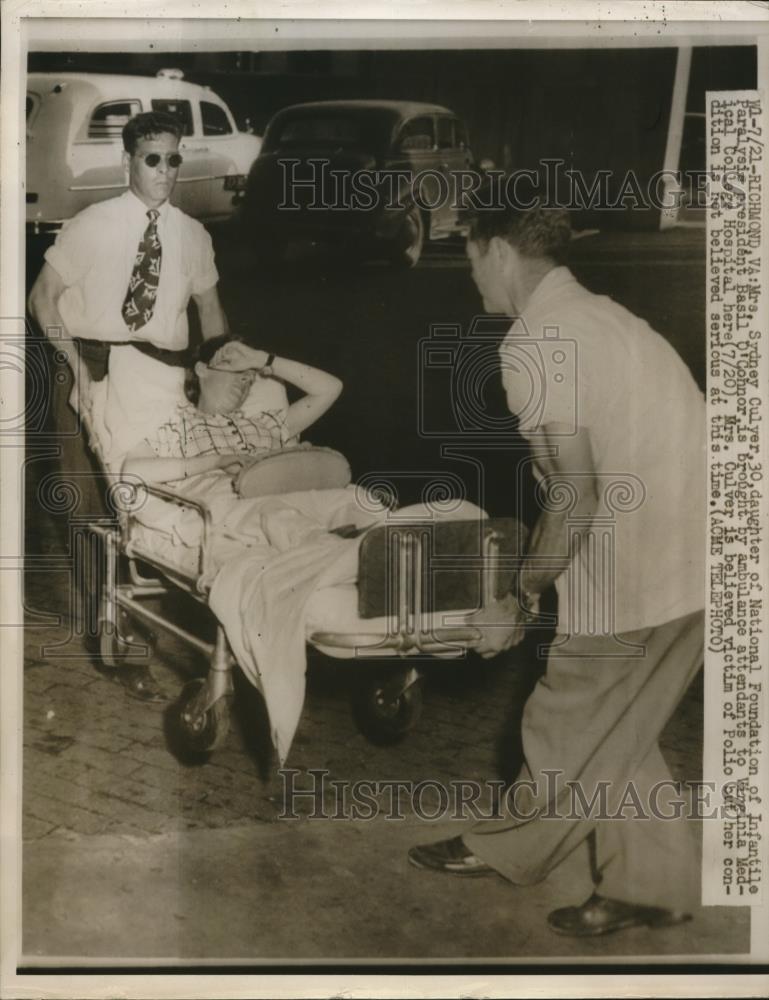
326	173
74	144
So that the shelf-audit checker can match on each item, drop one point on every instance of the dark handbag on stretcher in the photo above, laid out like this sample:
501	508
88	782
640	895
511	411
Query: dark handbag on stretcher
438	566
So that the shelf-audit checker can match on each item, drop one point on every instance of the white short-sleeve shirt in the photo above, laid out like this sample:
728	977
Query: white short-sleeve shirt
95	252
583	360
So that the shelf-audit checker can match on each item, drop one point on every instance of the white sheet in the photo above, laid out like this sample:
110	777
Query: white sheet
263	600
261	596
278	573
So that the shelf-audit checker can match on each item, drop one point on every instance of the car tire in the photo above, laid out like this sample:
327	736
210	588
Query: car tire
408	245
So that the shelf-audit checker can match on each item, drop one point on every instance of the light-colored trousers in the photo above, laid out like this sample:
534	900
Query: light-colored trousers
598	719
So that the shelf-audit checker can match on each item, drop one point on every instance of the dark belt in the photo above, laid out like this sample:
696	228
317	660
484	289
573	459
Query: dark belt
98	350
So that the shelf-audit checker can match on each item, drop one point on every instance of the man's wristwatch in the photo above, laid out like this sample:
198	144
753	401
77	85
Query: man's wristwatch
266	369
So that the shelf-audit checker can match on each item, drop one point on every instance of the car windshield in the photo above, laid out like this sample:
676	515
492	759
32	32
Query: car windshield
336	130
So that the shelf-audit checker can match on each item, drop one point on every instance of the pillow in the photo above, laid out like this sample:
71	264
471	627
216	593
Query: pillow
294	470
265	395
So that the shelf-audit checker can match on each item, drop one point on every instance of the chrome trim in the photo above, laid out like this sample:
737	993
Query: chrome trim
401	584
419	539
490	567
98	187
142	591
190	584
143	582
124	187
439	640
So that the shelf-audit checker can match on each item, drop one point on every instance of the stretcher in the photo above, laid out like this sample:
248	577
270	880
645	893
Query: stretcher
419	584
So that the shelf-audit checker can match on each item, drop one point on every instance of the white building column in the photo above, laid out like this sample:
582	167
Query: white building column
672	189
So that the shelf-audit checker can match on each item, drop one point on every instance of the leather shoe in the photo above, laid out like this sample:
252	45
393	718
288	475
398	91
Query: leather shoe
600	915
139	683
448	856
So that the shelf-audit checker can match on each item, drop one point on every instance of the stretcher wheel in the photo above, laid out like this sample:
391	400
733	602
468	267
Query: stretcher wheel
383	709
112	646
195	731
116	641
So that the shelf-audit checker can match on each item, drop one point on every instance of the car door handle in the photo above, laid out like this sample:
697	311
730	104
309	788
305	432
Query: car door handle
196	149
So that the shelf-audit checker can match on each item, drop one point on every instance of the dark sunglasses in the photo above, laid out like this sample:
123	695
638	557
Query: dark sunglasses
173	160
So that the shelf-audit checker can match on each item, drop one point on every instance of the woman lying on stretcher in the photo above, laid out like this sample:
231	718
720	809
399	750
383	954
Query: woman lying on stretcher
217	451
210	431
269	553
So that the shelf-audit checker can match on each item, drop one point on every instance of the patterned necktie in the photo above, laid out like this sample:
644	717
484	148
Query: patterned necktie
142	291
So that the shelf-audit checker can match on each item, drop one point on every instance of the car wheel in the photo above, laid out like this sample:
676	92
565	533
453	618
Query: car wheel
409	243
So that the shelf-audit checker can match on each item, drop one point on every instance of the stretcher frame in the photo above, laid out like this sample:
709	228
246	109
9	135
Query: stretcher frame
203	709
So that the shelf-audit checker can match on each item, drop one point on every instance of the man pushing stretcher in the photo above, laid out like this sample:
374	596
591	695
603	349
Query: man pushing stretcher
617	430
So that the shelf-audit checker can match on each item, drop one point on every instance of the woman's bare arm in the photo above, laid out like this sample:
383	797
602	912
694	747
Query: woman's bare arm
144	464
321	389
321	392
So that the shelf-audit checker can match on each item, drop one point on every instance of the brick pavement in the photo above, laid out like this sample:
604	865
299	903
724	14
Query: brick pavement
112	818
96	761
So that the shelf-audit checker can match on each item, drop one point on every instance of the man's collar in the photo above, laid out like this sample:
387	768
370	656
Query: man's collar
137	206
553	282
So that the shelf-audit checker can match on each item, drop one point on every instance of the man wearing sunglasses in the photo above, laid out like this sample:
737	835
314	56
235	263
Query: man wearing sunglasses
112	296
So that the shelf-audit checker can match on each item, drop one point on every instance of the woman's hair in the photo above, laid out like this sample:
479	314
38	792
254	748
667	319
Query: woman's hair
204	353
147	125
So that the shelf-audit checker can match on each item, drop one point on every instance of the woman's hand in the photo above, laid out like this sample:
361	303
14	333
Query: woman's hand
237	357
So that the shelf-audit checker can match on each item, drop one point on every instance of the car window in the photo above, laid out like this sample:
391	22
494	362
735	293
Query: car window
322	130
108	119
418	134
445	132
460	135
215	120
179	109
